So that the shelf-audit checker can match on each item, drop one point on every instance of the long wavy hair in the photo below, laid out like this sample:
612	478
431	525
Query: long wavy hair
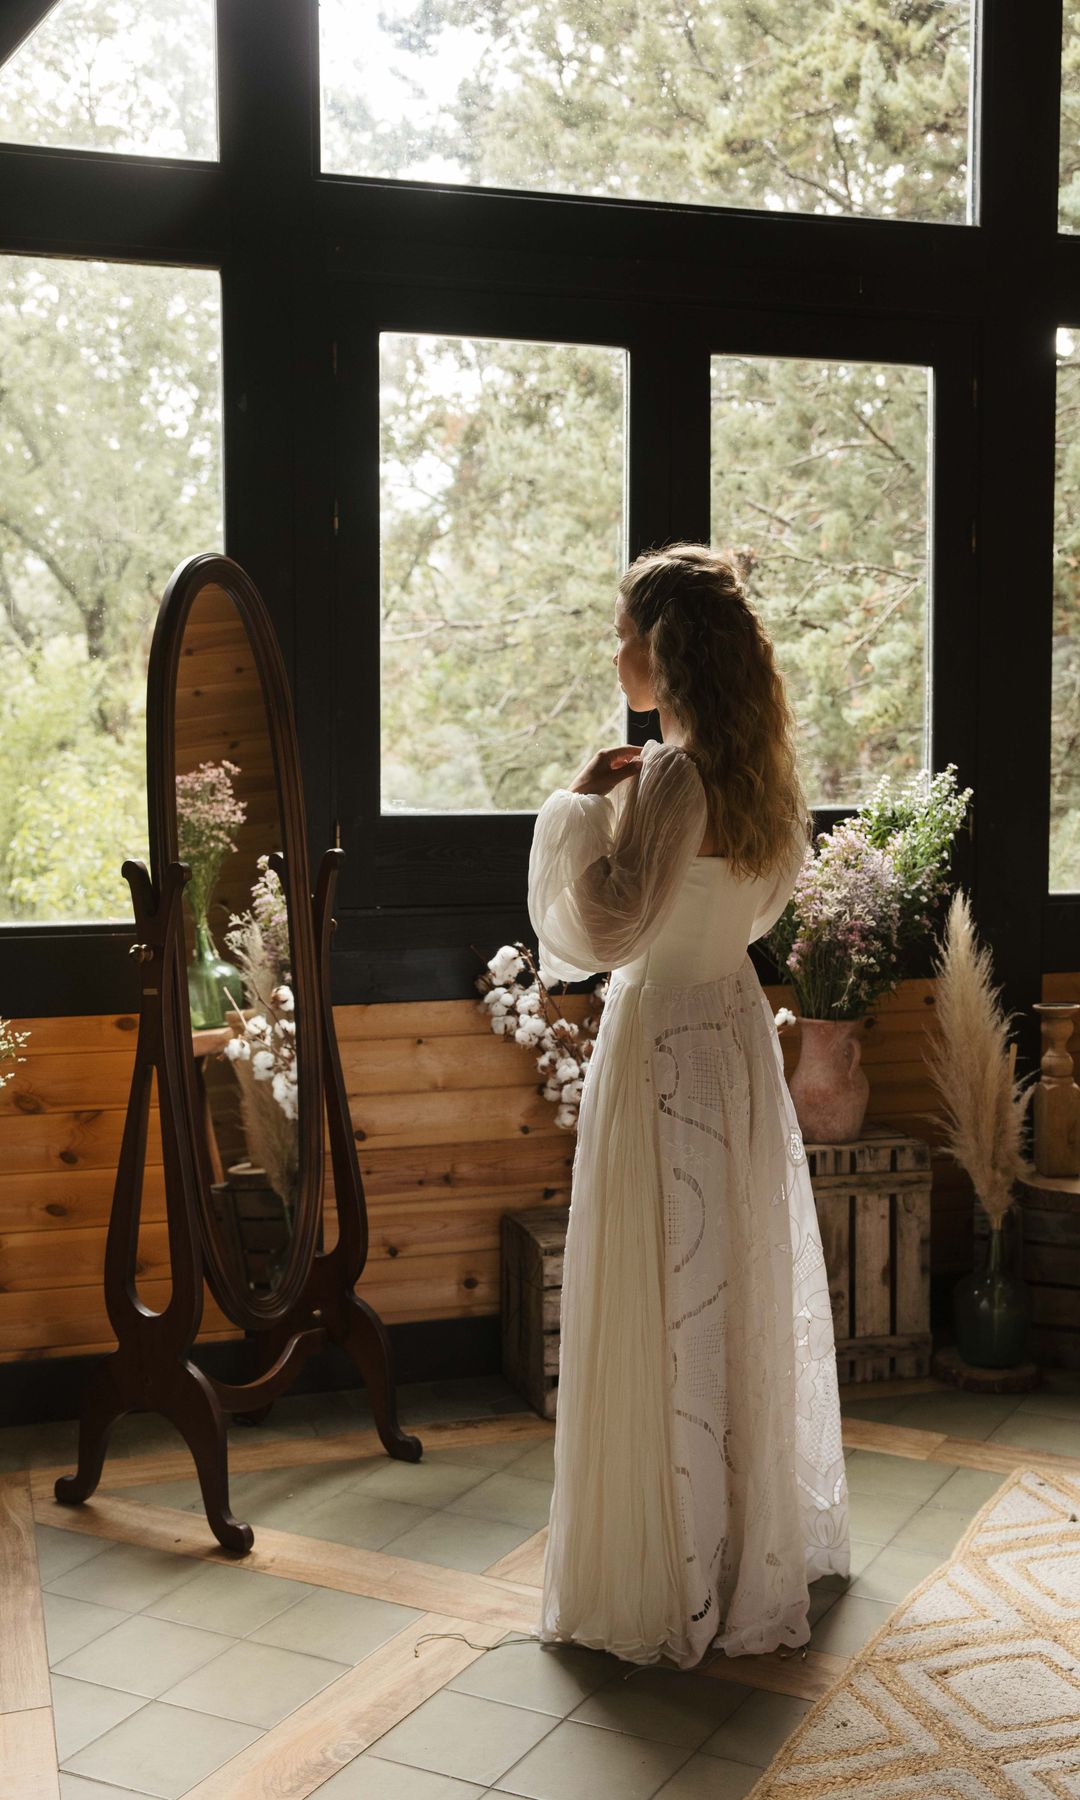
713	668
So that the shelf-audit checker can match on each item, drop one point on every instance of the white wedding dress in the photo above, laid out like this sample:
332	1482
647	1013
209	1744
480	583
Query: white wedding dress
699	1474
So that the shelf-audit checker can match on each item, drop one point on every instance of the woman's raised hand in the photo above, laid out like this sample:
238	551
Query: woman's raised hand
606	769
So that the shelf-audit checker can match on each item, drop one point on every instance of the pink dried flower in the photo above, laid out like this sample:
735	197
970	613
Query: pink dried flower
207	814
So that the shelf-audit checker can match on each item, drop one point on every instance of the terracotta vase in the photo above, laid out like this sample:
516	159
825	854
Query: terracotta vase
829	1086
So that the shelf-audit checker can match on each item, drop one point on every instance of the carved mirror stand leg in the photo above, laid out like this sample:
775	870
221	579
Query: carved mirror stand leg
149	1370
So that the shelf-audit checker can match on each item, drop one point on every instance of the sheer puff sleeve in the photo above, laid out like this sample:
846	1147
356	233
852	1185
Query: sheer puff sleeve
605	869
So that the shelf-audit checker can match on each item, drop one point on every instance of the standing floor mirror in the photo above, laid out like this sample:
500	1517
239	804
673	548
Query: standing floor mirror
237	1047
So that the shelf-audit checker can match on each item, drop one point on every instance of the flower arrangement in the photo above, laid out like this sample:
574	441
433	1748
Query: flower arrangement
865	900
207	814
11	1043
972	1064
520	1006
262	1048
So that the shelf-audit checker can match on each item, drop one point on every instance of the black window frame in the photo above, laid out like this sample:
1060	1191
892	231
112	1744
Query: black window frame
304	256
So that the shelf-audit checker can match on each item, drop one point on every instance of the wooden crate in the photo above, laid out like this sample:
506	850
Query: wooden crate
532	1272
873	1208
1043	1236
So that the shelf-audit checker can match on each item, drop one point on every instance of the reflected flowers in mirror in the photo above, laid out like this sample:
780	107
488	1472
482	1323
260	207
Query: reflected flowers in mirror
262	1049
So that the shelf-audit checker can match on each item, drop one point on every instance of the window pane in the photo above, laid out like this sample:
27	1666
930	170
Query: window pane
846	106
819	487
110	470
503	538
1065	660
122	75
1069	141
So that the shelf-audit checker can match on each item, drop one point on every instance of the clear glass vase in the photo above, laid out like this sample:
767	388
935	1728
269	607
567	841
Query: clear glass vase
208	978
992	1309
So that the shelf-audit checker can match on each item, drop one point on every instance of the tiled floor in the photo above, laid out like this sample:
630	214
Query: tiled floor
164	1667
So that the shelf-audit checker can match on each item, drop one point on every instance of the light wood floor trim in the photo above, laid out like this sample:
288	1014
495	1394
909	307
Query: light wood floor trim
289	1453
526	1563
28	1766
937	1446
296	1757
806	1677
308	1452
24	1662
373	1573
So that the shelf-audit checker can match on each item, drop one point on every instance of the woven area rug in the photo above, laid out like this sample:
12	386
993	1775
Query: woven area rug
971	1690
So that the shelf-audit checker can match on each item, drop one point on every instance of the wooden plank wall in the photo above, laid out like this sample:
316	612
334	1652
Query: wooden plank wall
451	1129
221	715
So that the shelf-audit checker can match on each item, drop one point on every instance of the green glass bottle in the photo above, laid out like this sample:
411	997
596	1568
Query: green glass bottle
992	1310
214	985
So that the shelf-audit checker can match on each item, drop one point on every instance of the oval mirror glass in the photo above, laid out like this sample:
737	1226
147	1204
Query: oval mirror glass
237	821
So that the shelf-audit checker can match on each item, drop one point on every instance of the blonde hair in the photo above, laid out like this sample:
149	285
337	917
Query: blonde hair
713	668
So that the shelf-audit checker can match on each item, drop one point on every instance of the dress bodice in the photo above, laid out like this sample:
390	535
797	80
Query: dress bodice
614	882
706	934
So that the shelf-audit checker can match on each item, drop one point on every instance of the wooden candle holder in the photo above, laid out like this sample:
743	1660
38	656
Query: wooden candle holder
1056	1101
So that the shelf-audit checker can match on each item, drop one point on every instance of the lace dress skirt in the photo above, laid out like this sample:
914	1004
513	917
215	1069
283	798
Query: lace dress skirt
699	1474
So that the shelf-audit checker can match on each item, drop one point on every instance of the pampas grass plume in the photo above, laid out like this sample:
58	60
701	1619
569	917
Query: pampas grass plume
972	1064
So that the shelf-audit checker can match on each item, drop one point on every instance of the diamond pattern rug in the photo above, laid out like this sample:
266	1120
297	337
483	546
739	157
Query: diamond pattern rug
971	1690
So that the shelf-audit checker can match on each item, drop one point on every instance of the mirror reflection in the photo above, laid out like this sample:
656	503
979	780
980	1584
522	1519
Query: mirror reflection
239	969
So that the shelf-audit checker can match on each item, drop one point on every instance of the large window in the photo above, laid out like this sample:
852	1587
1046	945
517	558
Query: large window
819	489
110	472
511	291
503	538
818	106
118	75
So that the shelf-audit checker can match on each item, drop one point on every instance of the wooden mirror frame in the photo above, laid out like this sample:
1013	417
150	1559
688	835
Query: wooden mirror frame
151	1369
189	583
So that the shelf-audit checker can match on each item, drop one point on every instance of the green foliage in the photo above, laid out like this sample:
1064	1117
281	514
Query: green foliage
503	540
122	75
838	106
110	472
819	487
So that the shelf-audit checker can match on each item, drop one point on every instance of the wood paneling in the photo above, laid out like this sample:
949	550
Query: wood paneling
451	1132
220	714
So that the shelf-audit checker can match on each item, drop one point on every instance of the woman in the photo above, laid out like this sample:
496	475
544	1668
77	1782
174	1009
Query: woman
699	1474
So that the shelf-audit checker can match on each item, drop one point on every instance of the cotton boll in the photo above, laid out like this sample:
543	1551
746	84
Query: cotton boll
546	1064
528	1001
529	1031
502	1024
506	963
571	1092
284	1092
553	1091
262	1065
238	1050
566	1069
566	1118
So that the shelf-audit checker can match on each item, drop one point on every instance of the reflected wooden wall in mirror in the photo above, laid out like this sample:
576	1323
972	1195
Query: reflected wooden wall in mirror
237	1027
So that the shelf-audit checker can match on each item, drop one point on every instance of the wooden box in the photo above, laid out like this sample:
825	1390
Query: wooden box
532	1272
873	1208
1043	1245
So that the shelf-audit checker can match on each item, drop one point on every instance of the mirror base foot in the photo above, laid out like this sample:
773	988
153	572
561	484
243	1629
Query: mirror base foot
102	1407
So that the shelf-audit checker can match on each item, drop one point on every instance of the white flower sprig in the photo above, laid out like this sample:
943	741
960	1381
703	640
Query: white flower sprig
519	1005
11	1043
